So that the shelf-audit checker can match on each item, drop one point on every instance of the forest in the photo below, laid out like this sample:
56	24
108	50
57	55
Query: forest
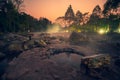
14	19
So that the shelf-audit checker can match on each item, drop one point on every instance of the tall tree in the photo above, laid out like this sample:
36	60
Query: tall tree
18	4
96	18
9	16
97	12
44	22
112	13
78	17
111	4
69	13
79	14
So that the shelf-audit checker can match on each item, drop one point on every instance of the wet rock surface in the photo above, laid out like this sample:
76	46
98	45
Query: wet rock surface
37	66
46	57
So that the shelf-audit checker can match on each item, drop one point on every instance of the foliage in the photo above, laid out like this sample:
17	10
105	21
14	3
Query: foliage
69	13
12	20
111	4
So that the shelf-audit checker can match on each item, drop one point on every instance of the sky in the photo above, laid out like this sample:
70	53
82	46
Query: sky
52	9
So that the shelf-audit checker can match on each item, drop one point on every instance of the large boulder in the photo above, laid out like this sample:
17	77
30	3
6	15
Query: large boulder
34	43
78	38
95	65
96	61
11	42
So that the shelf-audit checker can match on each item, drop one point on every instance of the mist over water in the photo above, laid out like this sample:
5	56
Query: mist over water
53	29
66	58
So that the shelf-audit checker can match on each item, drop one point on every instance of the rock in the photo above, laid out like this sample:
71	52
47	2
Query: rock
95	65
78	38
12	42
15	46
96	61
14	37
2	56
34	43
30	66
40	43
45	37
28	44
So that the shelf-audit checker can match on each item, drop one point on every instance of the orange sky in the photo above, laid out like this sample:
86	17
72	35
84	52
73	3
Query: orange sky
52	9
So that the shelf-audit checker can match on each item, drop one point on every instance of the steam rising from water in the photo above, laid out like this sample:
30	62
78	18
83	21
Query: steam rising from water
53	29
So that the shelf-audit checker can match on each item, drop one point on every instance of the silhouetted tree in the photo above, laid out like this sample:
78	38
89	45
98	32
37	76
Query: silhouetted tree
97	20
111	4
11	20
44	22
114	21
69	13
110	12
78	17
18	4
7	15
97	12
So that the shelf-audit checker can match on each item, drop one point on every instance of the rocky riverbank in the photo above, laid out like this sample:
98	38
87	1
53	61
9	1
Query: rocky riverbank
24	58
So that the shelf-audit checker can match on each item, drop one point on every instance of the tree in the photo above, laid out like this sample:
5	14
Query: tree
78	14
85	18
11	20
18	4
97	20
112	14
78	17
69	13
7	15
97	12
44	22
113	22
111	4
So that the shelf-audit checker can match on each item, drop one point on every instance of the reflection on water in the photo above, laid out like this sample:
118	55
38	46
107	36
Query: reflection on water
66	58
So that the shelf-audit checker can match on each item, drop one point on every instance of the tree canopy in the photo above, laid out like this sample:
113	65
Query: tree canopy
111	4
13	20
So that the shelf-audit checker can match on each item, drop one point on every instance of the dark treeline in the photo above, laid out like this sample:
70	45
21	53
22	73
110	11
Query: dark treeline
107	20
13	20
